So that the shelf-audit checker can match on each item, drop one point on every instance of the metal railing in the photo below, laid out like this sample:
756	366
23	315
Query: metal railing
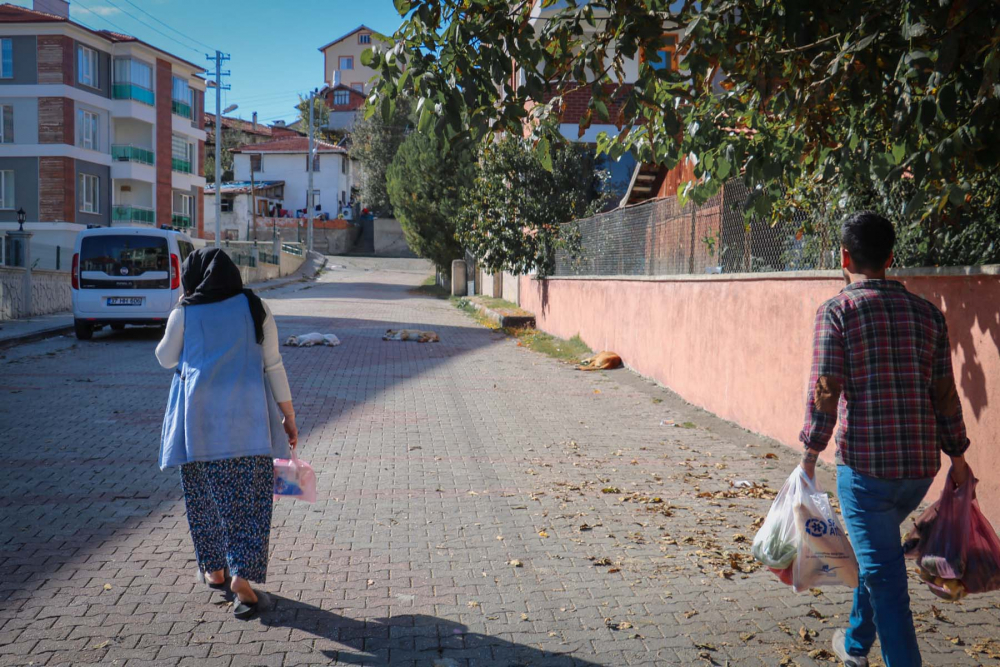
130	153
179	220
183	166
292	249
180	108
132	91
124	213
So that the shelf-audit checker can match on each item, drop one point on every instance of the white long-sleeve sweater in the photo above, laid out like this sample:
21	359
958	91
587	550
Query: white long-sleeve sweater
168	352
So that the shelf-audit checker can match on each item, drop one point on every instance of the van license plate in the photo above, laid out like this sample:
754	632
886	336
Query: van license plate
124	300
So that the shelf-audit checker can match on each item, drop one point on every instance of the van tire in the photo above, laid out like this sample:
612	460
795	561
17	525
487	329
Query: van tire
84	330
118	327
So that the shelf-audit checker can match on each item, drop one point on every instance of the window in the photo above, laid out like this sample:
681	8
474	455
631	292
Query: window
315	200
343	164
133	79
365	38
181	151
257	162
182	205
87	66
87	130
315	162
360	87
89	195
110	254
7	61
346	62
185	248
182	99
6	124
227	205
7	189
343	197
341	97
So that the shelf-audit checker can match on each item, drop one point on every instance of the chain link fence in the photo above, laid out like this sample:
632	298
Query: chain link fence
661	237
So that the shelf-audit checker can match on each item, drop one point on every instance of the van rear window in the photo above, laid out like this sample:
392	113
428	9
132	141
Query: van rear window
124	255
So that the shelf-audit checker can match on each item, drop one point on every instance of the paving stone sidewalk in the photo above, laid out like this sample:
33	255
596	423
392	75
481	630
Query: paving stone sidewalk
480	504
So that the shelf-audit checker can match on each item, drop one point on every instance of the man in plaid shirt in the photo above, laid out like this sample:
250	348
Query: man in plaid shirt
882	368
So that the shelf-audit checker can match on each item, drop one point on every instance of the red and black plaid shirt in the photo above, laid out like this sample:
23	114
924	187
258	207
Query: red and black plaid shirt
882	366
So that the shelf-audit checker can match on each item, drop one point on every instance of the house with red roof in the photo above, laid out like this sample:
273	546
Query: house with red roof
286	159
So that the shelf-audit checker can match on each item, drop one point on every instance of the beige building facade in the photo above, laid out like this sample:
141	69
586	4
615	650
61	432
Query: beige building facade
342	59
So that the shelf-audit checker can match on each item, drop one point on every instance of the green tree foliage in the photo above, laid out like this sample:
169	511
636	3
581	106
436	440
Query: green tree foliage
518	210
321	119
231	139
425	183
374	142
797	97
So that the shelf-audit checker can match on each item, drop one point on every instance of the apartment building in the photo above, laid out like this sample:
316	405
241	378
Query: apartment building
98	128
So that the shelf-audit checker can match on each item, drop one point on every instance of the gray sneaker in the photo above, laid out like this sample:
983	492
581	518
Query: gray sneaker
840	648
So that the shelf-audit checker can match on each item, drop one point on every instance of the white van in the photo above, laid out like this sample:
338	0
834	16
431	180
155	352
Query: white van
126	275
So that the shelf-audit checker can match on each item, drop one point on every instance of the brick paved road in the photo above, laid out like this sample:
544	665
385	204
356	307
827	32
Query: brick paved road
442	467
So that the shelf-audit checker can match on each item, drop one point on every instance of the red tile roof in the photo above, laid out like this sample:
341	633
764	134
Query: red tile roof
239	124
289	145
15	14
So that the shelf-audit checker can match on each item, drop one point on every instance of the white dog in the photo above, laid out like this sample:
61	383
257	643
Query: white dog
308	340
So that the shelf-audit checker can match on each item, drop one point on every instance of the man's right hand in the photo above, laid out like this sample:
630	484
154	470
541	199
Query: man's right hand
959	470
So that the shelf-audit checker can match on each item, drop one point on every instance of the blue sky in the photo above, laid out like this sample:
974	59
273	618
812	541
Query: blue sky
274	45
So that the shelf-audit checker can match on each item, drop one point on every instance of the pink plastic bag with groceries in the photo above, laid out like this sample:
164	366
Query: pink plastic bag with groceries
956	548
294	478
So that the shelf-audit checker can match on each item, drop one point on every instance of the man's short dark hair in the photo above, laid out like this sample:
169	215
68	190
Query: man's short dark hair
869	238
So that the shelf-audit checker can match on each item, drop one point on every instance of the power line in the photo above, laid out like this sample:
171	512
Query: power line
191	39
153	28
103	18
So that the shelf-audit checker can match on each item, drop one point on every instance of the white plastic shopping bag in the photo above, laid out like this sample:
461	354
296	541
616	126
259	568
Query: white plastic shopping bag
294	478
802	541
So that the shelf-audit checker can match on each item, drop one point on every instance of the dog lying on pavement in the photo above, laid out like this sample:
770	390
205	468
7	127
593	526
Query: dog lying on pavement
411	334
311	339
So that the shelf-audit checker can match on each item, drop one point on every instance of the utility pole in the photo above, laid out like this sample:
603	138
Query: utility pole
253	208
309	168
219	58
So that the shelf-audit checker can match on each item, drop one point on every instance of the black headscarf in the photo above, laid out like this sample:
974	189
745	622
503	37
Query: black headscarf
209	276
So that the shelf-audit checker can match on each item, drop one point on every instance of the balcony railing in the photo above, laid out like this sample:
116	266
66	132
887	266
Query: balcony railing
122	213
181	108
179	220
132	91
130	153
182	166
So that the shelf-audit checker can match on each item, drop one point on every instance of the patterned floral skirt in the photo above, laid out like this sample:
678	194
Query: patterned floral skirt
229	506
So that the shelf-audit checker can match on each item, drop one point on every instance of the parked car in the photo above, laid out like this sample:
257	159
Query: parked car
126	276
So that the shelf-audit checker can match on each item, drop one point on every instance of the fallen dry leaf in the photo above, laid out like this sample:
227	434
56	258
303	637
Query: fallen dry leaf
689	614
515	563
100	645
107	587
472	604
542	533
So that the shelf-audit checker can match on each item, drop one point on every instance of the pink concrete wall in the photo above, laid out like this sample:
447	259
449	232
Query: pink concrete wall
741	348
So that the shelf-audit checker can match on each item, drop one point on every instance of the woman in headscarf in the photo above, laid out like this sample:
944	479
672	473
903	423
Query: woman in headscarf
222	426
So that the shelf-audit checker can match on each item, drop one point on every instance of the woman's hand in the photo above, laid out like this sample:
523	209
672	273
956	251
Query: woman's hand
291	430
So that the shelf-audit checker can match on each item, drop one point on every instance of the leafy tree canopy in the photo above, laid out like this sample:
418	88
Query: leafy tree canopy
797	96
374	142
515	214
425	183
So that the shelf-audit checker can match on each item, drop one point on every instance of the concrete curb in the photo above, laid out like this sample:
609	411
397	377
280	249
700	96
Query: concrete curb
312	267
35	336
505	321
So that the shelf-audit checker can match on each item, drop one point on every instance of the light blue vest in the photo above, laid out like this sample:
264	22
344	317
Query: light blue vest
220	404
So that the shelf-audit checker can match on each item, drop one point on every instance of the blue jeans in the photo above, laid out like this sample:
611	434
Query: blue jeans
873	511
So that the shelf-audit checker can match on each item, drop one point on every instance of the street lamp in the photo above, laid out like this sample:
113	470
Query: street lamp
21	215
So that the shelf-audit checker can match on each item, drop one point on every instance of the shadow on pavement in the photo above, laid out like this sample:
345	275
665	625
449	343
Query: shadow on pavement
406	638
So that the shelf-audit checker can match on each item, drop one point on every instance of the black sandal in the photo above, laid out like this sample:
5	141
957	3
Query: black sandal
244	611
203	579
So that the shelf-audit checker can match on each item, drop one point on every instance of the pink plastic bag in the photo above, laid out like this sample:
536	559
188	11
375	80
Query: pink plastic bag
982	565
939	540
294	478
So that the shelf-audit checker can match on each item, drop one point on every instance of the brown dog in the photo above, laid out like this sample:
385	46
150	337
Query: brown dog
411	334
600	362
